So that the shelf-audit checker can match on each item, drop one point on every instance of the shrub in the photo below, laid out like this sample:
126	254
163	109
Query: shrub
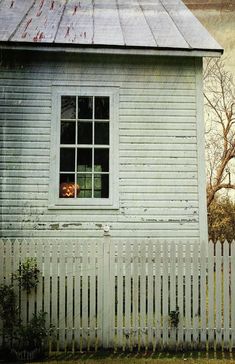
27	274
9	311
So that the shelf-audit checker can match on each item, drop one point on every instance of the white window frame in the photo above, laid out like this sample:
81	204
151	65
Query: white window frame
55	202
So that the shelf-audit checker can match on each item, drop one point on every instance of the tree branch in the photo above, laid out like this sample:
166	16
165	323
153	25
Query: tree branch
220	139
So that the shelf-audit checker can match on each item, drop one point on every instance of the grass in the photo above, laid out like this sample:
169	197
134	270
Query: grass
144	358
142	361
109	357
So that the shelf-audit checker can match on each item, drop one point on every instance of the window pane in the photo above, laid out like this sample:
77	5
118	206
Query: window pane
85	133
68	107
85	185
101	133
101	185
67	132
84	159
85	108
102	108
67	159
67	186
101	160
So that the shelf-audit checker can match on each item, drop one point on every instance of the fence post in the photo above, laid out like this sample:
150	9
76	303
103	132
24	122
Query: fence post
106	319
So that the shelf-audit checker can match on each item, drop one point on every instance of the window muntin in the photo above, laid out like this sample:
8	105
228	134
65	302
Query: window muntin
84	168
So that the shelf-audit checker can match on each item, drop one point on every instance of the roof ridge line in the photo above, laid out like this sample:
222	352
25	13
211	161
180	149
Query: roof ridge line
93	21
175	23
141	7
22	20
118	9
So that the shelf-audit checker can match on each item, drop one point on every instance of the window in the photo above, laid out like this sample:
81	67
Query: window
84	156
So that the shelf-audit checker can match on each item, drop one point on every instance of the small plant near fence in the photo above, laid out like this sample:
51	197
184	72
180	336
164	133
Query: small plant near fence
174	318
27	275
24	342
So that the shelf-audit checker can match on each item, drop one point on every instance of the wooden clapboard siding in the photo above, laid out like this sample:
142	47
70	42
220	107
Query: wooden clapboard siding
158	150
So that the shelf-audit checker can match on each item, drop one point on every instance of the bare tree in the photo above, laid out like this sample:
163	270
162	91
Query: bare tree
219	94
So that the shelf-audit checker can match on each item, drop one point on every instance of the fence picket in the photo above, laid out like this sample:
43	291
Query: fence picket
135	275
69	296
92	324
150	295
85	270
195	295
188	297
120	295
233	293
210	308
54	290
106	292
226	281
61	313
23	293
39	291
173	307
158	324
2	254
32	295
100	295
46	297
15	267
143	295
218	296
180	293
128	297
203	292
8	262
112	294
165	294
2	259
77	297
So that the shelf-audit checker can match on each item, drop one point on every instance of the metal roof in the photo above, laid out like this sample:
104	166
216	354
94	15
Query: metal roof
146	24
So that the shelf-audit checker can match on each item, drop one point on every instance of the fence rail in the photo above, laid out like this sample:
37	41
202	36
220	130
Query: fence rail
129	294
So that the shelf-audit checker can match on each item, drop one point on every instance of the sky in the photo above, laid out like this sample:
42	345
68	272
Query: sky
218	17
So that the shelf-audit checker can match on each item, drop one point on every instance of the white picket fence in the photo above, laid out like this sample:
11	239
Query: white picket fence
121	294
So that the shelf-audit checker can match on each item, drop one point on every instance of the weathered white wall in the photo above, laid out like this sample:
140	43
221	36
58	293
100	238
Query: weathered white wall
158	172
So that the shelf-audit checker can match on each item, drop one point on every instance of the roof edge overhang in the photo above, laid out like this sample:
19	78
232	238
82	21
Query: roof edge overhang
116	50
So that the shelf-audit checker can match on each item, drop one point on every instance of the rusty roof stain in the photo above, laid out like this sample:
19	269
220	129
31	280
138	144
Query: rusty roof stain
155	24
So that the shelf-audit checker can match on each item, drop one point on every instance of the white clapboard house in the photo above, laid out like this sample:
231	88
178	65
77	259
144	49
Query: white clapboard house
101	109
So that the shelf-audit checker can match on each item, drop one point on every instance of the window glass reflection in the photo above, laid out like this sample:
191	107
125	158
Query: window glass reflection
85	105
67	159
102	133
101	185
84	133
101	160
102	107
68	107
67	132
84	159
